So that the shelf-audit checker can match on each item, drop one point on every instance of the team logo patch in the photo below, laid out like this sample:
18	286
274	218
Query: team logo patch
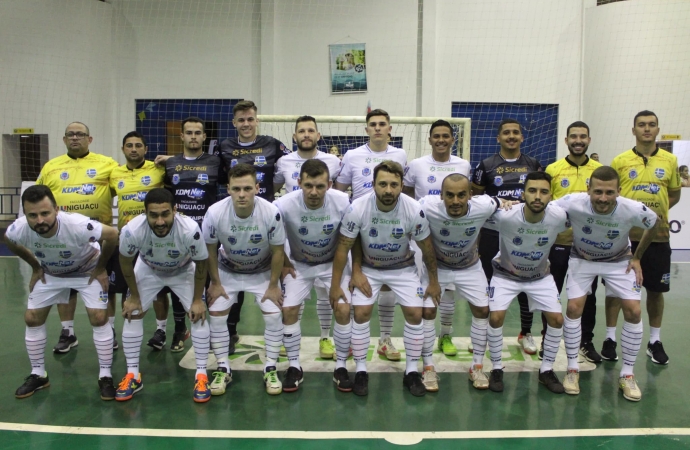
89	226
470	231
646	222
612	234
417	229
212	231
174	254
64	176
196	236
260	176
278	217
586	230
498	181
175	178
149	253
517	240
490	292
295	175
256	238
260	161
366	172
91	173
565	183
328	228
420	292
542	241
233	163
373	232
303	231
121	184
666	278
632	174
444	232
397	233
40	254
202	178
232	240
523	177
65	254
431	179
636	287
146	180
659	173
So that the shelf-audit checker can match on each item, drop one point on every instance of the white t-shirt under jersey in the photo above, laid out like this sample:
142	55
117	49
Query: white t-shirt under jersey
455	238
168	254
288	167
386	235
245	243
426	174
72	252
357	168
604	237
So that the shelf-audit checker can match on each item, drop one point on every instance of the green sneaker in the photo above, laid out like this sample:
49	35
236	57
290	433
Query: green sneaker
326	349
445	344
273	384
221	380
282	351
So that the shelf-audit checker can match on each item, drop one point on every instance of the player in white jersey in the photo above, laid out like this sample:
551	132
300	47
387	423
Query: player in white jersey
172	255
423	176
386	222
357	171
250	259
527	232
601	223
312	224
63	252
454	220
287	172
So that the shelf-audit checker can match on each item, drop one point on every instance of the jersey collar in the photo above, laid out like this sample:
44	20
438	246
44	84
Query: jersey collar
371	151
81	157
656	150
575	165
136	168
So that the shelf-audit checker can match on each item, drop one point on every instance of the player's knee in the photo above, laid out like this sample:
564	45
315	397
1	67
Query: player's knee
32	318
632	313
496	319
555	320
290	315
429	313
97	317
480	312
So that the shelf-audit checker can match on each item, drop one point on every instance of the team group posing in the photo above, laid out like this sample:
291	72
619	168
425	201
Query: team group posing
509	230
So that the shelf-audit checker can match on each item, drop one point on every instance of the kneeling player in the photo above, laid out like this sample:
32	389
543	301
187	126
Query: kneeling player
172	255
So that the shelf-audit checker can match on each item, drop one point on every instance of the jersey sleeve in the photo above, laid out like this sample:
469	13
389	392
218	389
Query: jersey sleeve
195	244
345	174
276	230
351	223
88	230
278	177
13	234
129	244
644	218
409	179
420	226
209	227
479	175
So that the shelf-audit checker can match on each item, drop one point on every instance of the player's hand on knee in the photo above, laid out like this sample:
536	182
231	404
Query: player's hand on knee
274	294
131	307
433	291
36	275
335	294
214	292
361	282
634	265
102	277
197	311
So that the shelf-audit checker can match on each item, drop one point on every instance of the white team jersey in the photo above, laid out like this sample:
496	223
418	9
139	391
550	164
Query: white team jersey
312	233
426	175
287	168
169	254
604	237
72	252
245	243
455	238
386	235
357	168
524	247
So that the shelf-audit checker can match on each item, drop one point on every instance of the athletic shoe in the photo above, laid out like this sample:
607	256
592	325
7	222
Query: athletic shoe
128	387
66	342
221	380
326	348
107	388
540	353
527	343
32	383
430	379
178	340
387	349
470	347
283	351
361	386
657	353
202	393
588	352
273	384
478	377
293	378
571	382
234	339
550	380
342	380
496	380
445	344
630	389
158	340
608	350
413	382
115	344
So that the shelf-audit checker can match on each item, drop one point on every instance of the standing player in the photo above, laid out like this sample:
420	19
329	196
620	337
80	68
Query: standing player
356	172
312	223
423	177
79	181
503	175
287	172
386	222
527	232
571	175
63	252
601	223
250	259
172	255
649	175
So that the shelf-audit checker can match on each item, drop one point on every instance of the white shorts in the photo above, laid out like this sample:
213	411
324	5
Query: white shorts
56	290
541	294
150	283
403	282
421	268
234	283
618	283
296	290
470	283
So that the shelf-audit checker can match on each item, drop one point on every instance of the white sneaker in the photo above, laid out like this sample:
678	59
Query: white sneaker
527	342
272	382
478	377
221	380
387	349
630	389
430	379
470	347
571	382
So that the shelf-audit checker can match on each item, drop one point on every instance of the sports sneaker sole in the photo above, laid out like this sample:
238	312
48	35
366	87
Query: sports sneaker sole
76	343
478	387
604	358
326	355
156	347
202	400
632	399
176	349
32	392
124	399
651	355
341	389
390	358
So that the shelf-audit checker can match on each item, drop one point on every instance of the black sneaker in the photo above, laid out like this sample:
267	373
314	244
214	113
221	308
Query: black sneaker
342	380
107	388
551	381
115	344
413	382
540	353
32	383
66	342
496	380
608	350
588	352
158	340
657	353
178	340
293	378
231	346
361	386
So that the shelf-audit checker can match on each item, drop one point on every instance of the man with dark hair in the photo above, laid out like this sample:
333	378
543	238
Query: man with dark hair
385	221
601	222
594	156
684	176
503	175
63	252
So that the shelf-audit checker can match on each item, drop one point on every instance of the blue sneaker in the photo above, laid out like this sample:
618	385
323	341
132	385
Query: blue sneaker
128	387
202	393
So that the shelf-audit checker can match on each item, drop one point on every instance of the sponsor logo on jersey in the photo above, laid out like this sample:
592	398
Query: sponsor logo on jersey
405	170
233	163
84	189
522	178
417	229
368	185
532	256
247	252
632	174
260	161
542	241
397	233
376	220
194	193
121	184
373	232
586	230
651	188
520	230
303	231
139	196
470	231
599	245
517	240
659	173
431	179
612	234
498	181
91	173
385	247
350	226
146	180
295	175
202	178
175	178
232	240
256	238
212	231
320	243
328	228
366	172
514	193
40	254
434	191
646	222
64	176
458	244
565	182
420	292
174	254
444	232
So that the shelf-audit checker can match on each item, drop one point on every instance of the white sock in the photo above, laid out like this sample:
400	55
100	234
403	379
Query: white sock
429	340
324	311
386	313
631	339
495	338
654	334
552	340
342	335
201	340
220	339
478	338
111	321
163	324
132	335
413	336
103	340
611	333
361	335
301	310
273	337
572	334
35	339
69	326
292	338
446	311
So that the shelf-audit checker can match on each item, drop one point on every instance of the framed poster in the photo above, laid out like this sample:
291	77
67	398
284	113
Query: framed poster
348	68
